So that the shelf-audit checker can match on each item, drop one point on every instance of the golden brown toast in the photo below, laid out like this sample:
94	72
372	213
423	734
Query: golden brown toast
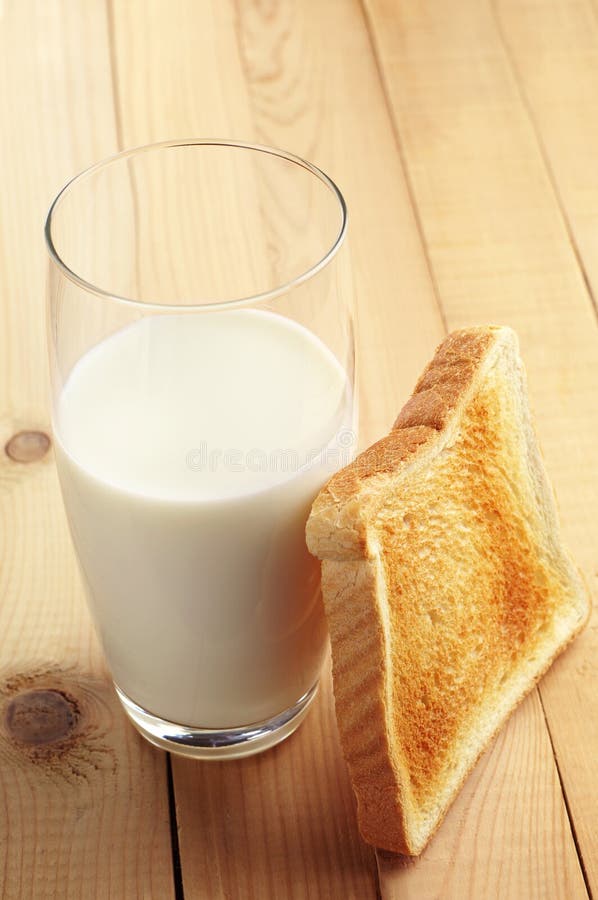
447	590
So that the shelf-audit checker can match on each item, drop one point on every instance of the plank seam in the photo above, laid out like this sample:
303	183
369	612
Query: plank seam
566	801
526	104
403	161
570	238
527	107
177	870
118	125
119	128
378	877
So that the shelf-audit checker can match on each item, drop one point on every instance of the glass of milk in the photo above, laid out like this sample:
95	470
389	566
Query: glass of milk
202	363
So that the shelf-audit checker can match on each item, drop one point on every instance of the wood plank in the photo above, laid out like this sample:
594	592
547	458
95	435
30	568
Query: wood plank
553	49
277	825
477	855
229	70
500	251
273	74
85	815
552	46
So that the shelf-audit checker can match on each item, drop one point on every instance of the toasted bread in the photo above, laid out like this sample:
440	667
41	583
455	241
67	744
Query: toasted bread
447	590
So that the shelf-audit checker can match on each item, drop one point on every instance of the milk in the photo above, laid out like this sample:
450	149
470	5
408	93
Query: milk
189	450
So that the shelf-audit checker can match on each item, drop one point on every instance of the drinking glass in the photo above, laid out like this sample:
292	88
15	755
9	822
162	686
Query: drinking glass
202	368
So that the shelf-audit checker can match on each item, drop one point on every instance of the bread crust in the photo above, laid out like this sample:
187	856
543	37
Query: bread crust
353	529
426	414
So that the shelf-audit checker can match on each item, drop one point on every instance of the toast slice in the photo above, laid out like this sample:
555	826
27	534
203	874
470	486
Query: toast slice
447	590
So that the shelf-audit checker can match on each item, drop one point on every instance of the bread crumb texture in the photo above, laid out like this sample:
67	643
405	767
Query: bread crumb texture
446	586
469	588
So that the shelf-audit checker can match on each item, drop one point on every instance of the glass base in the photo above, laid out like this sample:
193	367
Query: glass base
207	743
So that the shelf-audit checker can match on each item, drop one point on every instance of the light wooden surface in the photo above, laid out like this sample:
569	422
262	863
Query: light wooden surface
464	136
86	815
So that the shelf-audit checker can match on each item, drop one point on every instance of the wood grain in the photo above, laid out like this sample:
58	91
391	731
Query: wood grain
474	201
500	251
553	50
277	825
239	70
552	47
84	801
477	855
272	75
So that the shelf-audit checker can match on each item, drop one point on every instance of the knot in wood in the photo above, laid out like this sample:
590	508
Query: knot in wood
27	446
41	717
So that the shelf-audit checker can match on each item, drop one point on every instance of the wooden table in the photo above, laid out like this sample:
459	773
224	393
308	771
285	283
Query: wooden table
464	134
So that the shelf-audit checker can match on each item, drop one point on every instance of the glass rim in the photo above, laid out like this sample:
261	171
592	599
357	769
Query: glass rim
250	299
